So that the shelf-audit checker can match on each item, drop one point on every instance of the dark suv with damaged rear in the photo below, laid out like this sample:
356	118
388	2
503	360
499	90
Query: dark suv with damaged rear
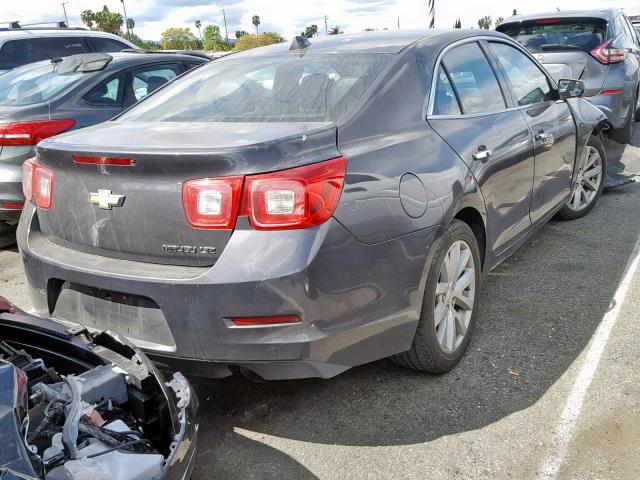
601	48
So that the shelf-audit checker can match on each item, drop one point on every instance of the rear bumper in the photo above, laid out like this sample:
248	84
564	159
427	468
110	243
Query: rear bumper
357	303
615	107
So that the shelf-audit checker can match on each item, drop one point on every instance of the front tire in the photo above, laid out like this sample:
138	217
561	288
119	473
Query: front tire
589	183
450	303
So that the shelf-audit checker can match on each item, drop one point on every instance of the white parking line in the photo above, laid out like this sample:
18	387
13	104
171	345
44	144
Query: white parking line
568	419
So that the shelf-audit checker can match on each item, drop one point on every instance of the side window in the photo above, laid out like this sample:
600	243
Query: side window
527	81
15	53
191	65
63	46
107	92
147	79
473	79
445	101
107	45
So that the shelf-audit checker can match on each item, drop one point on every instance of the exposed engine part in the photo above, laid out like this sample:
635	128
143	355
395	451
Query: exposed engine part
89	426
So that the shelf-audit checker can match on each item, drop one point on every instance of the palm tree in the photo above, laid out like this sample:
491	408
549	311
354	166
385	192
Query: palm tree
256	22
198	24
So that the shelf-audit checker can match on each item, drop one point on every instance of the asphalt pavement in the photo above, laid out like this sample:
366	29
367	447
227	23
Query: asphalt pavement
548	388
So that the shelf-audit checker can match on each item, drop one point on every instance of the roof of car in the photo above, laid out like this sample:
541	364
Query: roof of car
368	42
606	13
16	33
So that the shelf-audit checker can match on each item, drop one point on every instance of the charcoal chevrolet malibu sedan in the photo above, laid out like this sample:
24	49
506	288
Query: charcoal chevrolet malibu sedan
302	208
45	98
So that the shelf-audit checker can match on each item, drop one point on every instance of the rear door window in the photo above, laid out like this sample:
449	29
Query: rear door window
558	34
473	79
15	53
107	45
445	101
146	80
108	92
526	80
63	46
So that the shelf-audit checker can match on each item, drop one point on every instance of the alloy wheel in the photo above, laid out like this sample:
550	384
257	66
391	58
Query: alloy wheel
455	292
588	181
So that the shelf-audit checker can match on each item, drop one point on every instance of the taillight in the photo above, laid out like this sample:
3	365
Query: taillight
12	205
27	179
212	202
30	133
43	187
37	184
604	54
299	197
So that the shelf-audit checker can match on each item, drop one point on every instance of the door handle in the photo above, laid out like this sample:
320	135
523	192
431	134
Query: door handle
483	153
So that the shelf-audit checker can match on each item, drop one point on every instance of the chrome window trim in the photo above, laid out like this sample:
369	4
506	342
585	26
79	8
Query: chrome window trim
488	38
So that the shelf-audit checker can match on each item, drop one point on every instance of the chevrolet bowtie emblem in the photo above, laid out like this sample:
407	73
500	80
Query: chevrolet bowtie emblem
105	199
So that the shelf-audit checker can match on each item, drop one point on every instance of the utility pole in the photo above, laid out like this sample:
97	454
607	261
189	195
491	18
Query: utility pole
64	9
326	29
126	20
398	23
226	34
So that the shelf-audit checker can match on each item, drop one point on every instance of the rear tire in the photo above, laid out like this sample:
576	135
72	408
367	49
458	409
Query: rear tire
625	134
450	304
589	183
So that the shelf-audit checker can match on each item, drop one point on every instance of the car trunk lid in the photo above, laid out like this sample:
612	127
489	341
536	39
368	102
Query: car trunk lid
149	225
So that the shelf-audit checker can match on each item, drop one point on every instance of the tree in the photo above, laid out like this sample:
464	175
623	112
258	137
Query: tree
103	20
248	41
485	22
178	39
256	22
240	33
310	31
457	24
335	30
198	24
130	23
515	12
499	20
369	29
212	39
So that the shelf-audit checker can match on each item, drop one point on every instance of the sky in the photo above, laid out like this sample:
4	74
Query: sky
290	17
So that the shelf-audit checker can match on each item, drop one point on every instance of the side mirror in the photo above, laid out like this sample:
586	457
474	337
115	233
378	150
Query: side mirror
570	88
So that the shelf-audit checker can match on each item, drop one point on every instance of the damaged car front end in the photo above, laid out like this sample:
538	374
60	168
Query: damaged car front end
76	404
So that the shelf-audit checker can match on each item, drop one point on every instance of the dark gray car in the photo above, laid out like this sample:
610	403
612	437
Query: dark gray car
46	98
296	210
599	47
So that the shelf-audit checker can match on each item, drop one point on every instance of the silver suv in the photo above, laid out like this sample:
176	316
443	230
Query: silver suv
22	44
601	48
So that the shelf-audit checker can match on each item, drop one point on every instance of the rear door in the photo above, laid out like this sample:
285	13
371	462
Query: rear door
469	110
550	121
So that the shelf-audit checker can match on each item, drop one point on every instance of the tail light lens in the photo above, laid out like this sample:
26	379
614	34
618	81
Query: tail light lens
37	184
27	179
30	133
300	197
212	202
607	55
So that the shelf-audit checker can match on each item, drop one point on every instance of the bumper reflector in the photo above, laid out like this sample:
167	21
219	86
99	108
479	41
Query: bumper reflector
257	321
12	205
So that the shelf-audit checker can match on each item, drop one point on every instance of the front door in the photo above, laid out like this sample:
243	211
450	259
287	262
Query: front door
551	124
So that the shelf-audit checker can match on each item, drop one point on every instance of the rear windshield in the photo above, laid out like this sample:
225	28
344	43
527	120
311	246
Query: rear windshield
554	34
33	84
278	88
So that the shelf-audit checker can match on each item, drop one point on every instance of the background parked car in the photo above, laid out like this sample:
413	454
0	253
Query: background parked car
20	45
46	98
600	47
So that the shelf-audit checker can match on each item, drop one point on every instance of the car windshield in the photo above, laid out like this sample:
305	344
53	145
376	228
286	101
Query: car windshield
33	84
277	88
557	34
